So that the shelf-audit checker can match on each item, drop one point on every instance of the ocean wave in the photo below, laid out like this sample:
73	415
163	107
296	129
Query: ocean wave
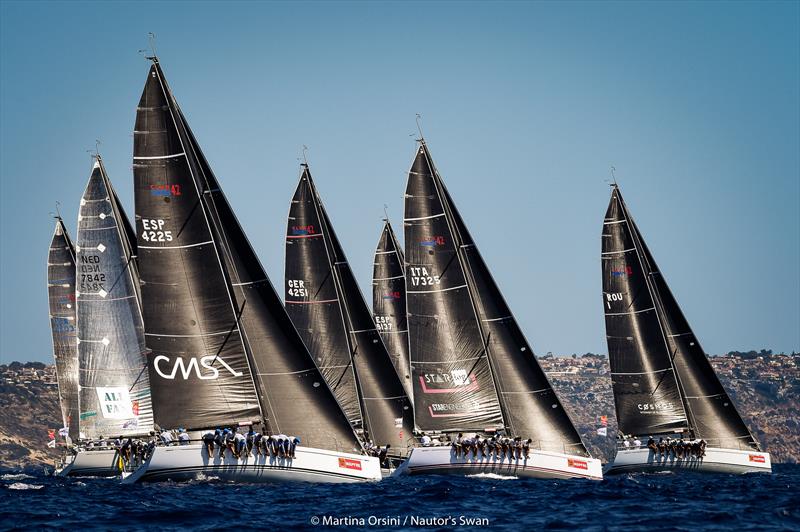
492	476
17	476
23	486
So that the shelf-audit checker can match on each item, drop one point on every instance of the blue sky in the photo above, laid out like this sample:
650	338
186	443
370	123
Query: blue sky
525	107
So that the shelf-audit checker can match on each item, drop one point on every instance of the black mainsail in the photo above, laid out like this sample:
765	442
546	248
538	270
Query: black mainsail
525	398
61	294
324	300
291	392
389	303
198	365
710	413
114	385
646	392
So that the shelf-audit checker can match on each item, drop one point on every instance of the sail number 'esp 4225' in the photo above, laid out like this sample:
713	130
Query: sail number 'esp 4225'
153	230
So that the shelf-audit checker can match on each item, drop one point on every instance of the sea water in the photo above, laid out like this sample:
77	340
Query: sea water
688	501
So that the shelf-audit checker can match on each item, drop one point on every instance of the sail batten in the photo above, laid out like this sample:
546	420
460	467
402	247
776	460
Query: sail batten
61	295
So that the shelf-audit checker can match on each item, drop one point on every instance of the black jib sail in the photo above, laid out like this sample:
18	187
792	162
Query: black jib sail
646	391
114	385
711	412
454	389
61	293
531	407
323	296
198	365
389	303
295	399
528	402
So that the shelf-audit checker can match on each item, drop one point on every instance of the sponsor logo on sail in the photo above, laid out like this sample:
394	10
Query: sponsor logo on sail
655	407
186	367
115	402
758	458
453	409
165	190
350	463
456	380
577	464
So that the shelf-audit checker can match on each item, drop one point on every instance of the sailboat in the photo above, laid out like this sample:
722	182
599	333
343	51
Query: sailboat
389	303
326	305
664	386
114	388
61	295
222	351
473	370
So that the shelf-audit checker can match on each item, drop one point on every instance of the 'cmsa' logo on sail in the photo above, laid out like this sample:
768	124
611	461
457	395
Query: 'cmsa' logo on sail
169	369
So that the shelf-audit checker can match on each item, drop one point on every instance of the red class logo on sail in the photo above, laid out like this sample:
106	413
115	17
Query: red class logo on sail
432	241
303	230
165	190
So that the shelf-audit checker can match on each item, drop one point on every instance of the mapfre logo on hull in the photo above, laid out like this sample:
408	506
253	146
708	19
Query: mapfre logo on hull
577	464
204	368
349	463
758	458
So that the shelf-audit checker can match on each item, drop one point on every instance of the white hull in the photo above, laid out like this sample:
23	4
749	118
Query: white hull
94	463
715	461
540	464
187	462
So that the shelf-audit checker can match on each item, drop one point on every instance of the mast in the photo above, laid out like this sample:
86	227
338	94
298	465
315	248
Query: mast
198	365
454	389
646	388
711	412
61	296
389	303
289	382
114	387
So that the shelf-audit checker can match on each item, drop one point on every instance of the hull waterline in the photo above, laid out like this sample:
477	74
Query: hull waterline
715	461
188	462
539	464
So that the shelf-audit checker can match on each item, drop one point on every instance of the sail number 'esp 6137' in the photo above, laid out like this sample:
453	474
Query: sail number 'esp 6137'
153	230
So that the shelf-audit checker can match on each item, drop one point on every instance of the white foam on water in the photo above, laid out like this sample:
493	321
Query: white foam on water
23	486
18	476
492	476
